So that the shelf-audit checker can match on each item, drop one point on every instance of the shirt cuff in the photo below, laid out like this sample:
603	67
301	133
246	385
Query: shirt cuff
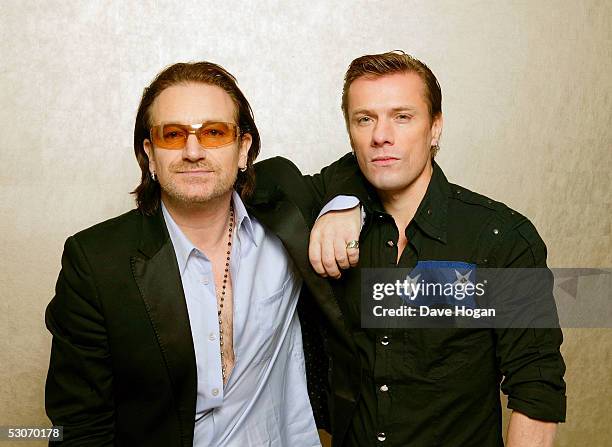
340	203
540	404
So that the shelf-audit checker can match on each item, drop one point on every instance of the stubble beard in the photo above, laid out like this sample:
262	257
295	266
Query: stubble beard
196	192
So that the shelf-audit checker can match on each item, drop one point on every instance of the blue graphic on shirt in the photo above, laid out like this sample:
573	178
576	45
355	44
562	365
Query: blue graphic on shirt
446	283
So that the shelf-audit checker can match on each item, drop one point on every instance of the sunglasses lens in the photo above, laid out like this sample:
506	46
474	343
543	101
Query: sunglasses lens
216	134
170	136
210	135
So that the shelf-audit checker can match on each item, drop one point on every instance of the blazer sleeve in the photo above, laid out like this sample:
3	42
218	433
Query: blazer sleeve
311	192
78	393
530	358
342	177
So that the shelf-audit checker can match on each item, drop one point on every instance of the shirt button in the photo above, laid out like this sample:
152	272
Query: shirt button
381	437
215	391
390	243
384	341
384	388
211	337
205	281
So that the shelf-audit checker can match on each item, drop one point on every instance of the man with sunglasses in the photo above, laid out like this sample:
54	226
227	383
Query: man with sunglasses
176	324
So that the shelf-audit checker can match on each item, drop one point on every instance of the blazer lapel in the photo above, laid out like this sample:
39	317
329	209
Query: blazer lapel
158	278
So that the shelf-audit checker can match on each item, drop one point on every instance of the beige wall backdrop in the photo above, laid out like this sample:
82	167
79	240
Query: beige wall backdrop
527	103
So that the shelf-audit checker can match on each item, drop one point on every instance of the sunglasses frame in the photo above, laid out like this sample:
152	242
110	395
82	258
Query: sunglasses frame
192	129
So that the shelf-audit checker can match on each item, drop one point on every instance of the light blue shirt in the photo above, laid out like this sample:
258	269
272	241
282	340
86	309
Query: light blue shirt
265	402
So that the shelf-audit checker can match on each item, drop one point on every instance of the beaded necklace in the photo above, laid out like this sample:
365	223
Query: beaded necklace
224	286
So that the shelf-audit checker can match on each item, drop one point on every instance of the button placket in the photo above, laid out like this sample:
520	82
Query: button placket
383	398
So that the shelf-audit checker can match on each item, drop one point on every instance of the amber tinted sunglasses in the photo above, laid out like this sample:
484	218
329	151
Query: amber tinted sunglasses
210	134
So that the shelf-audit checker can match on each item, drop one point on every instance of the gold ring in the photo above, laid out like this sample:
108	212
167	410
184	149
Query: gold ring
352	244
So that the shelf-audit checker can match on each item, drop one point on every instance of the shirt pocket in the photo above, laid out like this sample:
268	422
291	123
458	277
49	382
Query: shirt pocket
270	316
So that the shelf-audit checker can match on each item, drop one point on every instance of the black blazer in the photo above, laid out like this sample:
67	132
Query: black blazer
122	369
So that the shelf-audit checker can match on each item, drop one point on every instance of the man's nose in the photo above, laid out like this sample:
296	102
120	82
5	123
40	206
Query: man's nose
192	150
383	133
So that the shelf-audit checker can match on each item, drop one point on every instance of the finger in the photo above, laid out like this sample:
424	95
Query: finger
328	258
314	254
341	254
353	256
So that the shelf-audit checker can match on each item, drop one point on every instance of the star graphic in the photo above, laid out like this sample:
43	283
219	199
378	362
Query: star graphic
462	280
412	282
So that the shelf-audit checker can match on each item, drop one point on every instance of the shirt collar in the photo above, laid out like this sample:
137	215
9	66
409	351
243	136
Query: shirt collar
183	247
432	214
244	224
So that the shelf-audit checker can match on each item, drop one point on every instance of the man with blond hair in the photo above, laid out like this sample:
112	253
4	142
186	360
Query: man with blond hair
423	386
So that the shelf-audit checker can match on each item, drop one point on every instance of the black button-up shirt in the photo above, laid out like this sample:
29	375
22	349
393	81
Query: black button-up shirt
440	387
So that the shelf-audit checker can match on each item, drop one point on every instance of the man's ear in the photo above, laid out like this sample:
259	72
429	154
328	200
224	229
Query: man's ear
148	148
436	129
351	142
245	144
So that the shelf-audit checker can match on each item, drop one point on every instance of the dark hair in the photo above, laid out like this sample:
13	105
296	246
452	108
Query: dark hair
375	65
148	193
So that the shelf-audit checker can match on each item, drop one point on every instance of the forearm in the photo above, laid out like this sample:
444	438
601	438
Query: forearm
526	432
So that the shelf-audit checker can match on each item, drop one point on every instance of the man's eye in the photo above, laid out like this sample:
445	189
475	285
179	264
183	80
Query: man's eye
214	133
174	134
364	120
404	117
215	130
